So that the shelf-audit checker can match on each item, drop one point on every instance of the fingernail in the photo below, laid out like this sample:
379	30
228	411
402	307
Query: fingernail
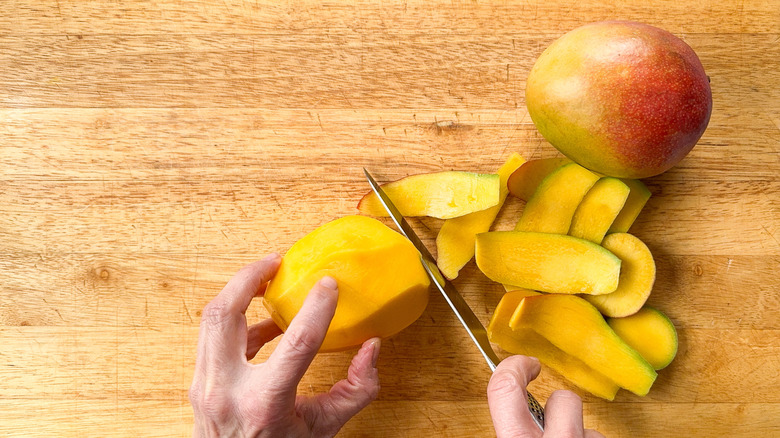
375	351
328	282
271	257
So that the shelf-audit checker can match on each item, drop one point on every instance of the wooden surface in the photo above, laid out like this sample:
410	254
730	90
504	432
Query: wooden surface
150	149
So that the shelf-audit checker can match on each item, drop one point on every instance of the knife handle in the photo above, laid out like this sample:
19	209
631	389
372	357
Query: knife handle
537	411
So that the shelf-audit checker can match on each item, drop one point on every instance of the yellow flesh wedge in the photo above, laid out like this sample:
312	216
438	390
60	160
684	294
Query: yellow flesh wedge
529	343
576	327
456	237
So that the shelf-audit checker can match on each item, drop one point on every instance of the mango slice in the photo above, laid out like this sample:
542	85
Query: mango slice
524	181
551	208
455	240
547	262
637	198
651	333
577	328
529	343
383	287
637	275
442	195
598	209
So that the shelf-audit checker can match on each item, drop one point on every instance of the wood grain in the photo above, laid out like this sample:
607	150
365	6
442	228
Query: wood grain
148	150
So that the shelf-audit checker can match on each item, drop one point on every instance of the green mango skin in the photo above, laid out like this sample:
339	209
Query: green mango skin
623	99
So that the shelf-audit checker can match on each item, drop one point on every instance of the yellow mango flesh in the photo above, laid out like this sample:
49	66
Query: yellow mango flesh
598	209
524	181
577	328
637	198
649	332
530	343
554	263
442	195
455	240
551	208
383	287
637	275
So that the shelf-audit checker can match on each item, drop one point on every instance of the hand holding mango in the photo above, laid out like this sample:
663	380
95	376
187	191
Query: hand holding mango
232	397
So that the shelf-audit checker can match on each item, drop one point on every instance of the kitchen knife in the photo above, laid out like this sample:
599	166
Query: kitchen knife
456	302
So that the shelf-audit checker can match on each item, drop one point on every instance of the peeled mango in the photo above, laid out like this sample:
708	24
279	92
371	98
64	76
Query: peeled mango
383	287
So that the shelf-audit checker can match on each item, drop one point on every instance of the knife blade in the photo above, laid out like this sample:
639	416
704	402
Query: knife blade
466	316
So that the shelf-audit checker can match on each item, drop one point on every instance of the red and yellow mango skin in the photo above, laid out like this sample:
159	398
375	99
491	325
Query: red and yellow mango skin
623	99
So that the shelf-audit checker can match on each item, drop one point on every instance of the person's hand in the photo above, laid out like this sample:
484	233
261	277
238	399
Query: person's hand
509	407
233	397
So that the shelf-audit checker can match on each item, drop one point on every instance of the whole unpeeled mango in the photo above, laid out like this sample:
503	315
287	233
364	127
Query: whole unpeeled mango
623	99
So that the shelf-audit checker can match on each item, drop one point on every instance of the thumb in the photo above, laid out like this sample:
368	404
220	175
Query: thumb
327	413
507	397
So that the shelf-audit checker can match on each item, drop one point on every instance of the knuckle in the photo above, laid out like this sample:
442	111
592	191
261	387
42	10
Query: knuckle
215	313
373	391
503	382
210	401
195	395
302	342
255	415
365	393
215	405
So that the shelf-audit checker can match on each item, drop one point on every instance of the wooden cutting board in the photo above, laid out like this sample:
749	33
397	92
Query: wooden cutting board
148	150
